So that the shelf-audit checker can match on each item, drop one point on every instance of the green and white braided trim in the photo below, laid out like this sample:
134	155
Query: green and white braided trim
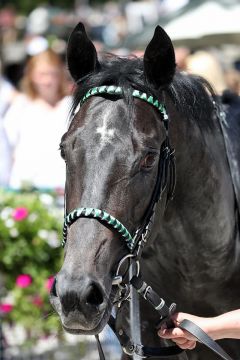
117	90
101	215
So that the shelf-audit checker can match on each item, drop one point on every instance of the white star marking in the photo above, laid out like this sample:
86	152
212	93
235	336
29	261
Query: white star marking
107	134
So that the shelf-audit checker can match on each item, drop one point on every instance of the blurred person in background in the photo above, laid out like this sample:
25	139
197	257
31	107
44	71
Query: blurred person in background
7	94
231	96
35	122
181	54
205	64
232	78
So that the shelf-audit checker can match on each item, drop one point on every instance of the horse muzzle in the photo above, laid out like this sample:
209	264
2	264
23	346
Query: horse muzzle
81	304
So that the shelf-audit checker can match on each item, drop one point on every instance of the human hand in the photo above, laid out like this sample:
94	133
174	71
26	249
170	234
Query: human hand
182	337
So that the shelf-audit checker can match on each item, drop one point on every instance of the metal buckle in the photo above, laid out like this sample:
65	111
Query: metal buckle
117	280
129	349
124	289
160	305
123	295
146	291
142	242
126	257
134	349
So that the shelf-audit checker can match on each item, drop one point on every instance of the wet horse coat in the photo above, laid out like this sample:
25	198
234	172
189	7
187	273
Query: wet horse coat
111	151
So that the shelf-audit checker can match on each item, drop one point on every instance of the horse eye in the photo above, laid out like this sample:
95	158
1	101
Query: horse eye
148	161
62	152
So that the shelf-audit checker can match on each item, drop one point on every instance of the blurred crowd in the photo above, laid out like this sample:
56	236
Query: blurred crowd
35	87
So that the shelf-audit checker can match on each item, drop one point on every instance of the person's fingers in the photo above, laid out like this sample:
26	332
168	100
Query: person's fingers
179	337
180	316
171	333
180	341
184	343
177	318
192	344
175	333
189	345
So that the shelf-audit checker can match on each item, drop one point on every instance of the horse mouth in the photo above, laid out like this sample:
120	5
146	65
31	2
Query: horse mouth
79	329
80	325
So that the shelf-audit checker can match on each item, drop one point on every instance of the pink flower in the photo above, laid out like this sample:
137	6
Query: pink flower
20	214
23	280
49	283
59	191
6	308
37	301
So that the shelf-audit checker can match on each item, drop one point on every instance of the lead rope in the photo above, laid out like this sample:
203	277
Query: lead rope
203	338
135	316
99	347
165	317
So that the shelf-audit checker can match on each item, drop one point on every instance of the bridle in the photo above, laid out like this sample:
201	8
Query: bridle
166	166
166	181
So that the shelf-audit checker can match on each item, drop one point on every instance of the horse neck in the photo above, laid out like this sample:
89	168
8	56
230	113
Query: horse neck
202	212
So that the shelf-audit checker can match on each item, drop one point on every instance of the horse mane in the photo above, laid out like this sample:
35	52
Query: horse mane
192	95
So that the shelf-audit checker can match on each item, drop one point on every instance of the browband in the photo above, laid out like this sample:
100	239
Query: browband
117	90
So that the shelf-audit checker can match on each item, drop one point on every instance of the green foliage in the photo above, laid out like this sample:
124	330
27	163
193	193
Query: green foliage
30	237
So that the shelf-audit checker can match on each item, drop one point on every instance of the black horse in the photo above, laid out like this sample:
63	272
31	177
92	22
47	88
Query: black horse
112	150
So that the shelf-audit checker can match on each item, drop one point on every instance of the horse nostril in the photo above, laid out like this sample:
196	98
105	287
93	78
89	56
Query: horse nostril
94	295
84	296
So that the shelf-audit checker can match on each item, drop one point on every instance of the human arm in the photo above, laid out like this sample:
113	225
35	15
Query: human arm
223	326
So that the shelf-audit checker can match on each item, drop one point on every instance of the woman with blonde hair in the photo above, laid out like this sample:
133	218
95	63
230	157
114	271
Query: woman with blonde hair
36	121
45	77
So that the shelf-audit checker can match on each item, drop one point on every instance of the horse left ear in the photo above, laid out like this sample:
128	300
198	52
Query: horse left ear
81	53
159	59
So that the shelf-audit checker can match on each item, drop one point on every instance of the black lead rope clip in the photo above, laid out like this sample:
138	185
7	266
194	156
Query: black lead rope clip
154	299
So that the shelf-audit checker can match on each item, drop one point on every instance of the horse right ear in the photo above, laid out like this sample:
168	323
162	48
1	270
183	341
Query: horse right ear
159	59
81	53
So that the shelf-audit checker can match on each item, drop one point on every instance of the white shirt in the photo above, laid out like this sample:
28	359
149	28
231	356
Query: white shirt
34	130
6	94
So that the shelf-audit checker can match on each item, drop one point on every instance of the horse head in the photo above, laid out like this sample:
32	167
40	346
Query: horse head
111	150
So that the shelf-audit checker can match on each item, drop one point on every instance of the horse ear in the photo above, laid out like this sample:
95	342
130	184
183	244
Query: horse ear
159	59
81	53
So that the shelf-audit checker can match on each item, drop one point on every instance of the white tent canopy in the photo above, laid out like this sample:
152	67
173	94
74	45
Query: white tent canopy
210	18
199	23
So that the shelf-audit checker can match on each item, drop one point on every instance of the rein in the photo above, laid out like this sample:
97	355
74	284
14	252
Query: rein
166	180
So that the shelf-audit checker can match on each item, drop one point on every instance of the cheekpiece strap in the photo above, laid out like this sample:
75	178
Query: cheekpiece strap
103	217
117	90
